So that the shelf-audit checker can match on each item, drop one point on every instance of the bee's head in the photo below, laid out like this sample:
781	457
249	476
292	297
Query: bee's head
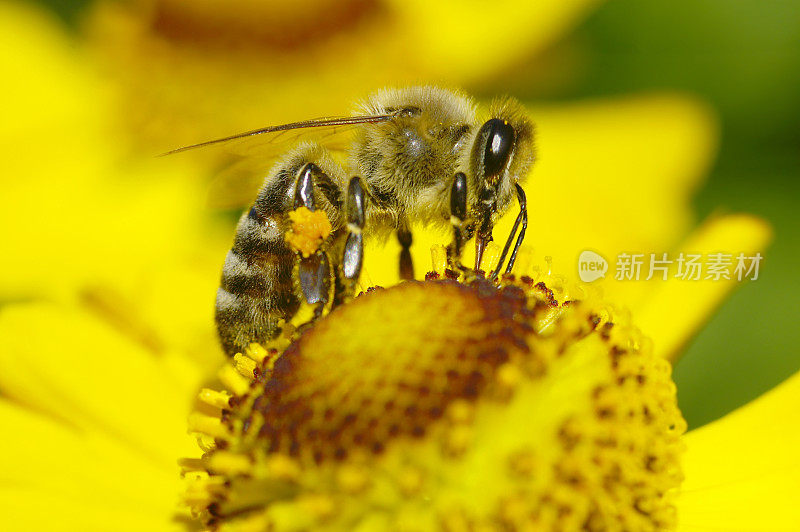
493	149
501	156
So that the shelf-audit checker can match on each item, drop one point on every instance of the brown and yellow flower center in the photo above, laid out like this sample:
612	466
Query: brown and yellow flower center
442	405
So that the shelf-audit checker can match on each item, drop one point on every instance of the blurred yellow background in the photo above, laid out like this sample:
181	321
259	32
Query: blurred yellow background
179	72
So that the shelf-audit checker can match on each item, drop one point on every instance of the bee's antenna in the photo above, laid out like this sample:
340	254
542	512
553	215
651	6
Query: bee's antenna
316	122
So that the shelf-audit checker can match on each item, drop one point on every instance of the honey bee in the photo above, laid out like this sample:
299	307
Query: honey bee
415	154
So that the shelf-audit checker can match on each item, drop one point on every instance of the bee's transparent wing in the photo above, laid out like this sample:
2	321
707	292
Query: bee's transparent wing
250	154
237	182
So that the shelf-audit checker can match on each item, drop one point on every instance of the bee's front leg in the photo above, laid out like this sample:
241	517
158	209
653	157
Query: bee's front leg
522	218
462	231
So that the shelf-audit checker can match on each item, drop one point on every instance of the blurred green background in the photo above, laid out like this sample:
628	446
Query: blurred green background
743	58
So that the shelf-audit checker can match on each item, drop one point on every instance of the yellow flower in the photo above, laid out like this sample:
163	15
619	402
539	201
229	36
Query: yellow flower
509	433
99	370
463	407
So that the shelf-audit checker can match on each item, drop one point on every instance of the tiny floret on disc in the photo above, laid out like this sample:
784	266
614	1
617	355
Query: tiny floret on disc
309	229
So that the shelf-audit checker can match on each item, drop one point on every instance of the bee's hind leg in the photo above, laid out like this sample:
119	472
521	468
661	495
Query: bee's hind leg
313	269
353	254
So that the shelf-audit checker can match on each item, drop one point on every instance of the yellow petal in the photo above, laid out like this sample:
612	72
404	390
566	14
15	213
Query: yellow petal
70	213
56	478
77	217
52	86
70	365
616	176
27	510
466	41
743	471
676	309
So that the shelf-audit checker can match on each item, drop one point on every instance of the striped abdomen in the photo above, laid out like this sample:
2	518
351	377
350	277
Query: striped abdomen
257	288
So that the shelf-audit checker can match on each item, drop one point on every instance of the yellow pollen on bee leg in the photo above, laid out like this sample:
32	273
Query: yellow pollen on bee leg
309	229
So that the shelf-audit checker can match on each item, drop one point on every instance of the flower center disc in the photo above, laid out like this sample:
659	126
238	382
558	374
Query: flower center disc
442	405
387	365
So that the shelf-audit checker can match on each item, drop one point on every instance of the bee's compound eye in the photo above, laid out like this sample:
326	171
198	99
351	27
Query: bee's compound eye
499	143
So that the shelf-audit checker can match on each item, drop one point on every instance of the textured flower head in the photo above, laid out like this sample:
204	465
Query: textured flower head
446	405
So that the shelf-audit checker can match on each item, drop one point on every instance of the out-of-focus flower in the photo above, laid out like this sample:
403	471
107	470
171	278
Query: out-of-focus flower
197	70
82	224
98	379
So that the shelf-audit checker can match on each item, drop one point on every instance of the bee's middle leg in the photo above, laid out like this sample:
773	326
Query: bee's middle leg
353	253
462	232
